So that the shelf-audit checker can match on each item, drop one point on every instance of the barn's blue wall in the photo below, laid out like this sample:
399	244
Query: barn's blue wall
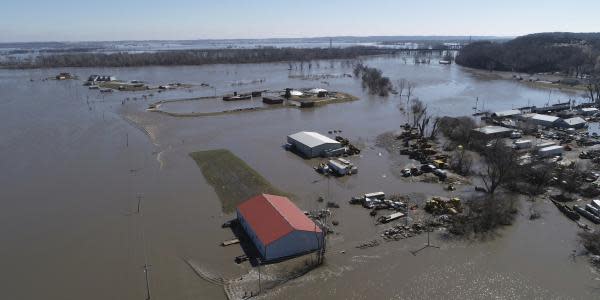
294	243
251	234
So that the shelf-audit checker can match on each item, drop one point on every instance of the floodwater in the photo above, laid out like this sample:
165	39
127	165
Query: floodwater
76	163
210	105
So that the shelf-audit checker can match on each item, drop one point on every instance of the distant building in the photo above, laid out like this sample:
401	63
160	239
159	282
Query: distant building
278	228
318	92
544	120
492	132
104	78
64	76
576	122
588	111
312	144
506	113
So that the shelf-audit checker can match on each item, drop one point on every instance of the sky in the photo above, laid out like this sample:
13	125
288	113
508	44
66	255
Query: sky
109	20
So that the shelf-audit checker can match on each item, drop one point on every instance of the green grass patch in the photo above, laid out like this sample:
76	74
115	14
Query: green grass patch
233	180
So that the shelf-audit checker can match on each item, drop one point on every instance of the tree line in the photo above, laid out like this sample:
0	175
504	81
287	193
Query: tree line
574	54
194	57
373	80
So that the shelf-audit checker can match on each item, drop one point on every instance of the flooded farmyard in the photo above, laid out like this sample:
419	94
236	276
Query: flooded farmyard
95	187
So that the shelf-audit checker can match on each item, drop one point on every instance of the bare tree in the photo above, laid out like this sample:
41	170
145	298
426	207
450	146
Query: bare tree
593	88
484	213
500	165
435	128
419	111
422	125
538	177
401	86
458	130
410	89
571	177
373	80
461	161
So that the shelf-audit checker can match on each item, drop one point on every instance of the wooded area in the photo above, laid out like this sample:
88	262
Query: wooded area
194	57
573	54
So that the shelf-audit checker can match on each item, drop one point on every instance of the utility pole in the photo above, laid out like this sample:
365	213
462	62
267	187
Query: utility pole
126	139
407	210
259	286
139	197
146	271
428	245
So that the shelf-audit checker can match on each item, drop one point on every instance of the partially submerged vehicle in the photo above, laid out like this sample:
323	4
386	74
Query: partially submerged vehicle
586	214
567	211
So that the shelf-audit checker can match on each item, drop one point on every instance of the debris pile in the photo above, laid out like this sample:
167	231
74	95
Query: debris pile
351	149
377	201
441	206
370	244
400	232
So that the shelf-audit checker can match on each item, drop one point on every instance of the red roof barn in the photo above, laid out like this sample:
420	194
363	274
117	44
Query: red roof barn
277	227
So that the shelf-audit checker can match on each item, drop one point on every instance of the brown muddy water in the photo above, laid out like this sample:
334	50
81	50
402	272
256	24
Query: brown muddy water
74	163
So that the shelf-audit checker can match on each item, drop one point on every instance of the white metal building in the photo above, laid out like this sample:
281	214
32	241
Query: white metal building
312	144
544	120
506	113
575	122
492	132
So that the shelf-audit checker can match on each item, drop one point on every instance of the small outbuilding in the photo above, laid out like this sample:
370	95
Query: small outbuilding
278	228
318	92
312	144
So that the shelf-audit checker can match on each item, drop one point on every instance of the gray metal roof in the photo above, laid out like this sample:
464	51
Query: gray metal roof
507	113
312	139
550	148
545	118
492	129
575	121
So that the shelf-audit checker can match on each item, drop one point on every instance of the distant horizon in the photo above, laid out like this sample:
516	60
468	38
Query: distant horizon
27	21
400	38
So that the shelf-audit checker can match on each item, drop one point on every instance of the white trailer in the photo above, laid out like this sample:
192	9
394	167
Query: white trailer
338	167
550	151
342	167
544	145
522	144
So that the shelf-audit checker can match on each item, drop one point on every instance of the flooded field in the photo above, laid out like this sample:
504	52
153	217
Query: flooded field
77	163
209	105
